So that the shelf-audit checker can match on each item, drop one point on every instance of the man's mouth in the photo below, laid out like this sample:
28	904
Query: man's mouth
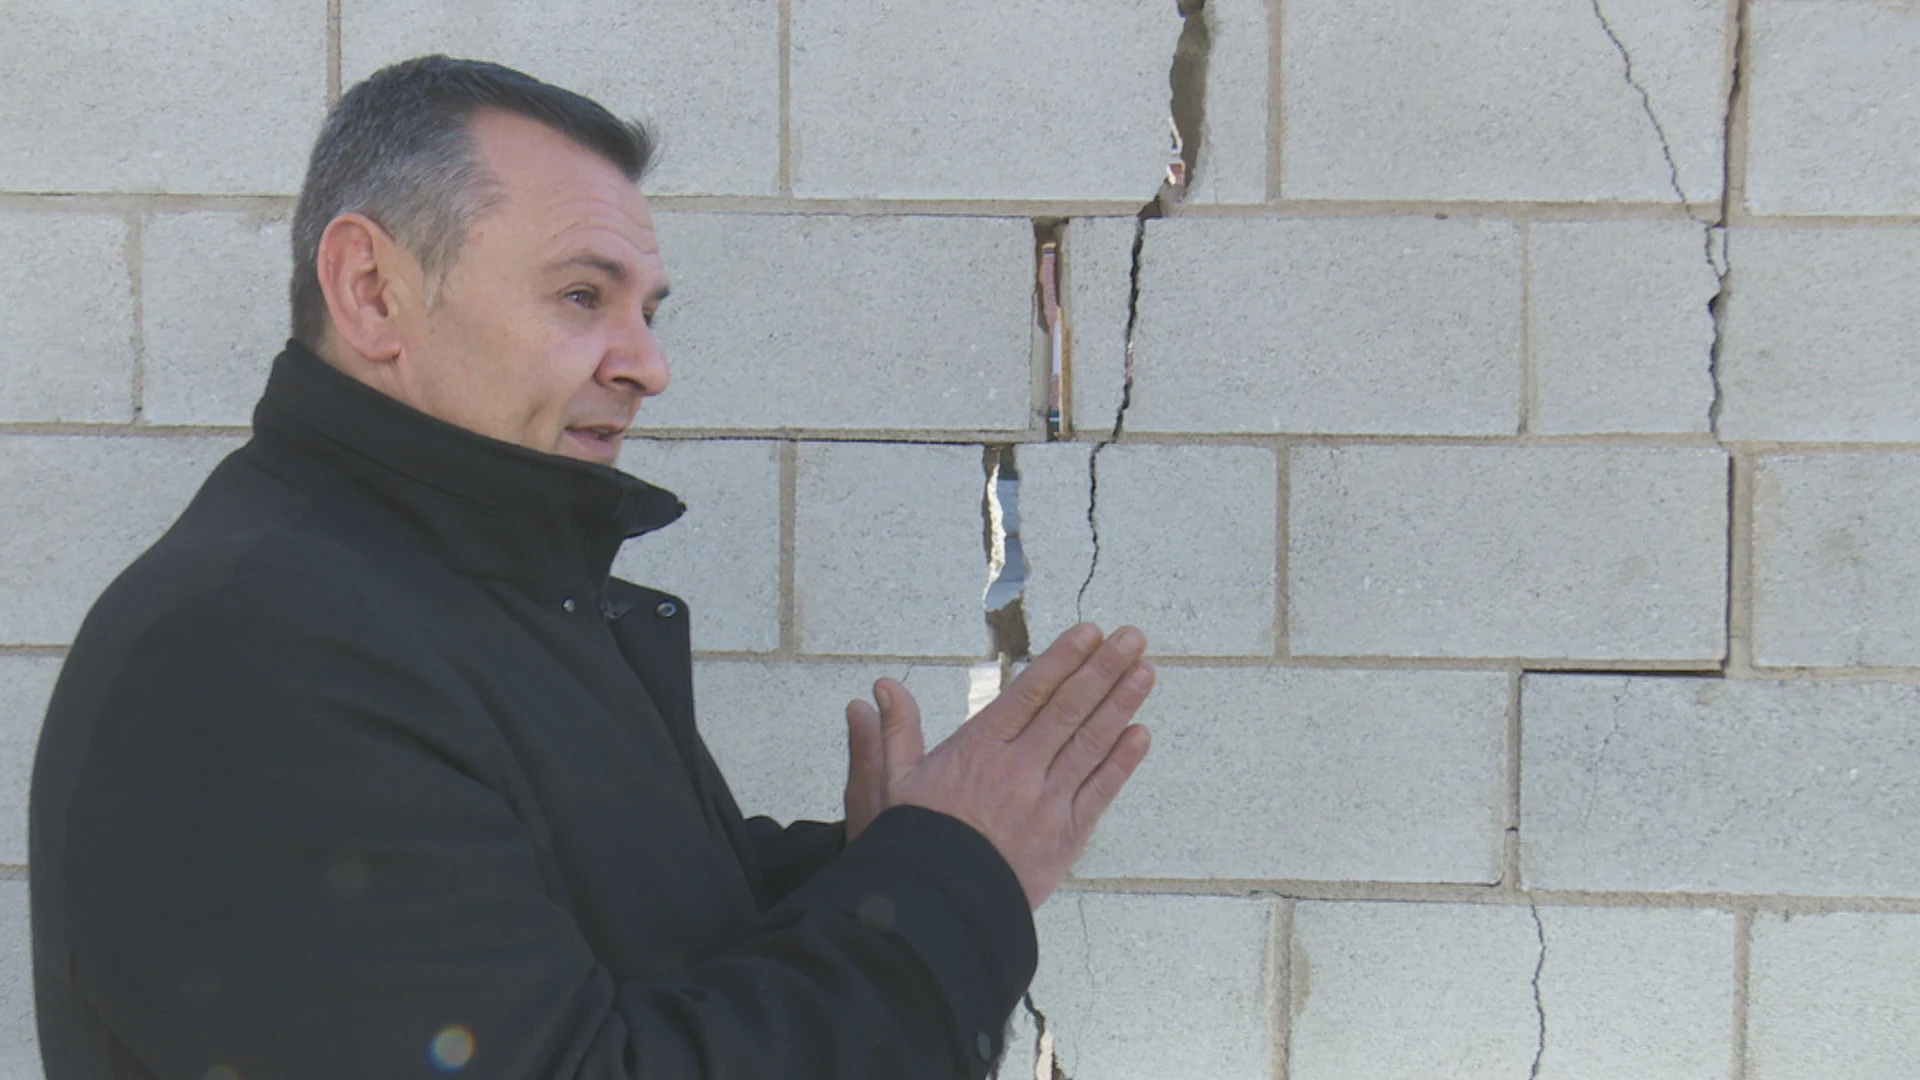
596	442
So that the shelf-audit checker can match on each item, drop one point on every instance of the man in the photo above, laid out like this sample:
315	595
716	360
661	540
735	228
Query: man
367	769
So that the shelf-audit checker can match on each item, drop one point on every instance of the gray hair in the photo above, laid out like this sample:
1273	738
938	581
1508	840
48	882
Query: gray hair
400	149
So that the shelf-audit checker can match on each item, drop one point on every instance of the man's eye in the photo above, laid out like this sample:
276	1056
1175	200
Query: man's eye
586	298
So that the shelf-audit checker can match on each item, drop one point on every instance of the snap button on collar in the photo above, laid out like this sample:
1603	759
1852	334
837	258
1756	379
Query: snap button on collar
667	609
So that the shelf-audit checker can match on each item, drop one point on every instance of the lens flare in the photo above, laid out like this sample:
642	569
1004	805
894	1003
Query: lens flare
451	1049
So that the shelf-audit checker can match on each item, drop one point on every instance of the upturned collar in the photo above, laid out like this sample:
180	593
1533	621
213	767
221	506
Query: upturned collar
486	507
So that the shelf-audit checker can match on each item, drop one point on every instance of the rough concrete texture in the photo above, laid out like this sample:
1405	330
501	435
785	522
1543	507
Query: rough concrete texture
889	550
1149	988
120	95
856	323
19	1047
1558	553
78	510
1293	774
1823	335
1504	99
999	100
1836	572
1233	147
66	318
778	729
1186	552
1621	336
1687	785
1389	991
214	293
1096	285
1282	326
1835	121
26	684
1834	995
723	555
706	75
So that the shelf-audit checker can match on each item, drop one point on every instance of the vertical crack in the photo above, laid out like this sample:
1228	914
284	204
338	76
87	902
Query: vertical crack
1005	598
1539	1005
1724	267
1046	1064
1187	104
1713	232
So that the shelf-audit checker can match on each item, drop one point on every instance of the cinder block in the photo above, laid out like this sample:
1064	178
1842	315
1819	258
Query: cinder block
26	684
1833	995
66	318
1503	100
997	100
1276	773
1823	335
120	95
78	510
1836	571
1403	990
778	730
19	1040
1704	785
847	322
1195	591
889	550
1558	553
1097	283
706	75
1149	988
723	556
215	307
1622	338
1281	326
1233	148
1834	123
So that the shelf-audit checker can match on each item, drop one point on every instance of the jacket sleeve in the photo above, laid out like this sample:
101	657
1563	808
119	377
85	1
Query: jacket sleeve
791	855
285	859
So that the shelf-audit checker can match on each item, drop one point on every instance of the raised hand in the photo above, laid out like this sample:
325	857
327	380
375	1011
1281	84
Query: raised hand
1033	771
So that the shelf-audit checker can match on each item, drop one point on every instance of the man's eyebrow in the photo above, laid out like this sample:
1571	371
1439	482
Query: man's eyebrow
613	268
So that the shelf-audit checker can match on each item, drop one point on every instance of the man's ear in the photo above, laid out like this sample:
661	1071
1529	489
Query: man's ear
370	283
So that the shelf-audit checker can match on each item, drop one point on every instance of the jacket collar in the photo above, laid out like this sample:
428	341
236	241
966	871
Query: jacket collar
485	507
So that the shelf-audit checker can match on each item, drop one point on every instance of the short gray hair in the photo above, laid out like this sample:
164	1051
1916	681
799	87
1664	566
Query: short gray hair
400	149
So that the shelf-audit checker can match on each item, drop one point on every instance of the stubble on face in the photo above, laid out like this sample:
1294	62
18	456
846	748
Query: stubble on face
540	334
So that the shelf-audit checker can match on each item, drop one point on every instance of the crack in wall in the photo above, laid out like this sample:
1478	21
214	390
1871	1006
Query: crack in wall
1713	238
1046	1065
1539	1005
1005	597
1187	105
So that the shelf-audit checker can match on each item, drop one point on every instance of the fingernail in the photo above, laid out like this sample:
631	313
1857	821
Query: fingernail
884	696
1131	641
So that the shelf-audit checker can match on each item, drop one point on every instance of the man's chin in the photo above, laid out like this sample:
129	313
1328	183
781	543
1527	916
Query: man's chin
582	445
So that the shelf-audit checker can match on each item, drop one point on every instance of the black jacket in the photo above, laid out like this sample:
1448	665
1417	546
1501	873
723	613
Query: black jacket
367	769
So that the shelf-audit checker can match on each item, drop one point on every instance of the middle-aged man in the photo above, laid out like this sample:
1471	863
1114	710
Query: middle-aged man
367	769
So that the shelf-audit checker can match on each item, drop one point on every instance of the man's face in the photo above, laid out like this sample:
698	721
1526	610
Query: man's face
541	333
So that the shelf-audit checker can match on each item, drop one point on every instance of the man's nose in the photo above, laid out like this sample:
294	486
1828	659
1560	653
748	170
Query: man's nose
634	358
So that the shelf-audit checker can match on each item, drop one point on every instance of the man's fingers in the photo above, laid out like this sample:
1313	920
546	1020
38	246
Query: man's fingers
1083	692
1016	706
1112	774
866	761
1093	740
900	731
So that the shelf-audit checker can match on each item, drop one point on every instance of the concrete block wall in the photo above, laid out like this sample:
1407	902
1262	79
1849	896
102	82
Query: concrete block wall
1510	439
